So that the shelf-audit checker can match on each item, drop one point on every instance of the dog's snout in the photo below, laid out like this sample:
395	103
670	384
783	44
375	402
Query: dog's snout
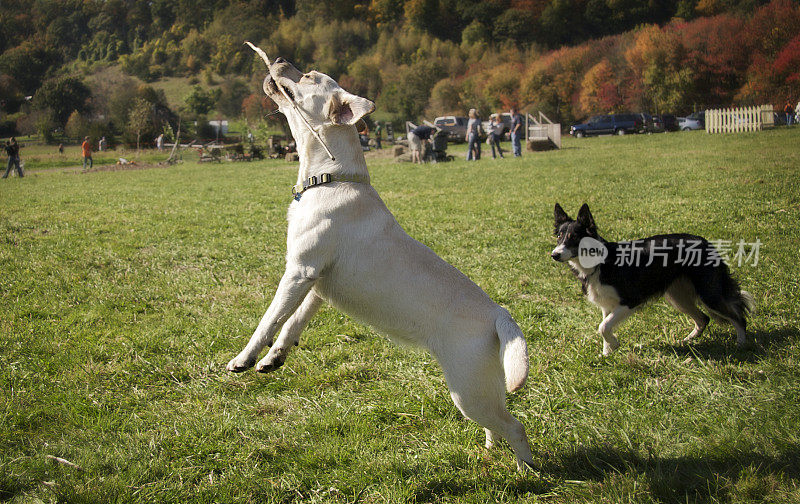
280	60
555	255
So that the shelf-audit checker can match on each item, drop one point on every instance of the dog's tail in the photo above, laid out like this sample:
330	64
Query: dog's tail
748	301
513	351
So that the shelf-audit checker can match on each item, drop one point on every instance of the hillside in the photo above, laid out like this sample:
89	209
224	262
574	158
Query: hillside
568	58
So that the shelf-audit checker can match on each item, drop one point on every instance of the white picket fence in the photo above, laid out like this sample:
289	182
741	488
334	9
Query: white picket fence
737	120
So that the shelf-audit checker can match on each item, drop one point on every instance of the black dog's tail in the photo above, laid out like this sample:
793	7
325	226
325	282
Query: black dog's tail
748	301
724	298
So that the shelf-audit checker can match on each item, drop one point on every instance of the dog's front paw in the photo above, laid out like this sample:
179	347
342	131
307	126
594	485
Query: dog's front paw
273	360
609	347
240	363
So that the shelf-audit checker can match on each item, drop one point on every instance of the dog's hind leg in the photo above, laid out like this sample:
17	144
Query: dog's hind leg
606	328
477	387
683	297
292	290
290	334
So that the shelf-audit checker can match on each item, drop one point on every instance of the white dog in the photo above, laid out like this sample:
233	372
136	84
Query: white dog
346	248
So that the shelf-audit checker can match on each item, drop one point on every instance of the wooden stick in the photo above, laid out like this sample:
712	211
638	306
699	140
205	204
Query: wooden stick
294	105
64	462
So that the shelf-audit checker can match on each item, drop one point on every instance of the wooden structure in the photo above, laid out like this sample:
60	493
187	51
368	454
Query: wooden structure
541	133
741	119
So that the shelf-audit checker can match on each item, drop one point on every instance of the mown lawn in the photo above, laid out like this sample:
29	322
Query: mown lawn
123	295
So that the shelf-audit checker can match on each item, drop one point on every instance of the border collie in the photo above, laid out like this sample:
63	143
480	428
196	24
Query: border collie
619	277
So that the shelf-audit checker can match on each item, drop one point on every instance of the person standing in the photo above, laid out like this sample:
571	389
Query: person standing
416	138
160	142
516	132
363	135
789	111
495	132
101	146
473	136
12	149
86	150
378	132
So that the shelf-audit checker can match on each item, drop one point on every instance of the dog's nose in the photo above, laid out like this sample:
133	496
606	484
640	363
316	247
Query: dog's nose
556	255
280	60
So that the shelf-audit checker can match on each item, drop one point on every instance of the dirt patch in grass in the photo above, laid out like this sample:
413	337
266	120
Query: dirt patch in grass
125	167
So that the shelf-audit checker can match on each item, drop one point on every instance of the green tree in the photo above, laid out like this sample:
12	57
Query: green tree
232	93
140	118
76	125
62	96
406	93
201	102
29	63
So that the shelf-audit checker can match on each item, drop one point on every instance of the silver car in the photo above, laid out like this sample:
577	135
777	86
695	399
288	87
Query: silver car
694	121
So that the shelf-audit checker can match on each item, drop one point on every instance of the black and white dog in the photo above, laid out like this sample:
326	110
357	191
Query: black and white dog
620	277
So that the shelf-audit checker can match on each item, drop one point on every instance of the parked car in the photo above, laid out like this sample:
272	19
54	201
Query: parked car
694	121
649	123
454	126
689	124
668	122
614	124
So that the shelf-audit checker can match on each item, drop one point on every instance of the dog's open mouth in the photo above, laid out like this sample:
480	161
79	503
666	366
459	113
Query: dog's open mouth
289	93
272	88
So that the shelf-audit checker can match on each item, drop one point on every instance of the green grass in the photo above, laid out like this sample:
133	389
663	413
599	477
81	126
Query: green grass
123	294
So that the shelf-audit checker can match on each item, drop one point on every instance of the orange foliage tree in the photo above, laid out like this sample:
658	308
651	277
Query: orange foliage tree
600	90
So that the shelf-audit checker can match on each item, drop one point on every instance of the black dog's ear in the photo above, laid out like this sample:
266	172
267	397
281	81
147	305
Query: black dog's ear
586	220
560	215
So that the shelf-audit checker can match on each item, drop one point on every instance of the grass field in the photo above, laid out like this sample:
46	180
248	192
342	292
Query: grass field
123	295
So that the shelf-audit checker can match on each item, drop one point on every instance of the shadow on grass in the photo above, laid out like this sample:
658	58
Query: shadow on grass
436	489
723	347
673	479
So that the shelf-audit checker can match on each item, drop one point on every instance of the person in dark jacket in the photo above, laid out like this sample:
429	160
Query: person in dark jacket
417	138
789	111
12	149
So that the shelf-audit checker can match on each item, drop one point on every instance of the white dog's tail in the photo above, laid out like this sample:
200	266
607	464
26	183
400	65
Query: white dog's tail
513	351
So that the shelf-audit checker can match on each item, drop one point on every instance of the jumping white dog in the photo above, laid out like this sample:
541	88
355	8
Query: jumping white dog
346	248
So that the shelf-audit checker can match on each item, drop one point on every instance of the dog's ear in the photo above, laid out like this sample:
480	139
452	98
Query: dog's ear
560	215
586	220
347	108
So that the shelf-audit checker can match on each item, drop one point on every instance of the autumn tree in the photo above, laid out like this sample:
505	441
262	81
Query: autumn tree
600	91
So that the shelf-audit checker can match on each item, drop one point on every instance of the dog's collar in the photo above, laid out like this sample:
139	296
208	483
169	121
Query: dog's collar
325	178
